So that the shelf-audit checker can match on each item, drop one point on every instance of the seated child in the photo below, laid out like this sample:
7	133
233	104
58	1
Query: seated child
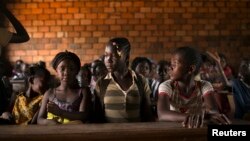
66	103
182	98
26	104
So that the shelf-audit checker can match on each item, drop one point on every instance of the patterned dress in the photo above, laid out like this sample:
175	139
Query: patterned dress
25	108
66	106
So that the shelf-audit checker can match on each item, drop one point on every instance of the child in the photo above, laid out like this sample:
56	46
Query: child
98	69
163	68
67	103
84	76
143	66
241	91
182	98
26	104
121	95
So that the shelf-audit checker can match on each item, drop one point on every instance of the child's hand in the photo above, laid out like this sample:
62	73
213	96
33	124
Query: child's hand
215	56
6	115
218	118
194	120
51	122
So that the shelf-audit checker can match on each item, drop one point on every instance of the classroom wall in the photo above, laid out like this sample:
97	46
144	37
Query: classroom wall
154	27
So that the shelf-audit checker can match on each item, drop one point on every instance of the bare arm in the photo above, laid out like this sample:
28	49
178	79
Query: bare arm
21	34
83	112
212	113
164	112
42	115
216	57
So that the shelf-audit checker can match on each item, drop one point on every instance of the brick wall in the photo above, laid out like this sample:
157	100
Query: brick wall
154	27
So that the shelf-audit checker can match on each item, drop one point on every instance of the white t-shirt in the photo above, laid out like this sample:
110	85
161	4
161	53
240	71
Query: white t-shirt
181	103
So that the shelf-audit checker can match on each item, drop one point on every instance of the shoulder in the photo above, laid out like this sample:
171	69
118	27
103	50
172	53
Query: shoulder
103	79
20	95
140	78
166	87
205	83
167	83
49	93
206	87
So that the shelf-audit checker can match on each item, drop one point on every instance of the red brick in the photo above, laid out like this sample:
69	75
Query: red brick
43	29
43	5
73	10
43	52
61	10
50	35
85	22
32	5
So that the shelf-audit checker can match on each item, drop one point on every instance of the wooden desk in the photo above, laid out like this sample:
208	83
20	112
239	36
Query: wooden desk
155	131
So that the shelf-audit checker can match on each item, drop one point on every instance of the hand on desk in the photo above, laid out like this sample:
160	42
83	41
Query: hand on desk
194	120
217	118
197	120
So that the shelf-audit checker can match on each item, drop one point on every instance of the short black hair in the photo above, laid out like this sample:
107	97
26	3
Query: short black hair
138	60
38	71
191	56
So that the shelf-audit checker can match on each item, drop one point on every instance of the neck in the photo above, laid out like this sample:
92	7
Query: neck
122	73
187	85
31	93
69	85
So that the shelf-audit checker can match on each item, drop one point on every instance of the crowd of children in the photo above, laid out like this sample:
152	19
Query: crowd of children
109	89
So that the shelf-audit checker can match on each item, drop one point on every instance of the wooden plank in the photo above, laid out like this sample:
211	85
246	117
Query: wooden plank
104	132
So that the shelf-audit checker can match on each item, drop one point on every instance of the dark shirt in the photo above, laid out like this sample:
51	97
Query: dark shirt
241	95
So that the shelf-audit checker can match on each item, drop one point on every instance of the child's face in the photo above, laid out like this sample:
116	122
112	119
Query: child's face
112	59
39	84
83	78
67	71
143	69
163	71
179	69
245	70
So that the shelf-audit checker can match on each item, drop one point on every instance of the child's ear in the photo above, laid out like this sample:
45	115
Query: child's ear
31	80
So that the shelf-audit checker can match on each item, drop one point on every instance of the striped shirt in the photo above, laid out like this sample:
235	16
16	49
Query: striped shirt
185	104
120	105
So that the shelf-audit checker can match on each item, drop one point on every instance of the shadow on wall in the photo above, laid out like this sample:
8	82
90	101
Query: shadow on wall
4	60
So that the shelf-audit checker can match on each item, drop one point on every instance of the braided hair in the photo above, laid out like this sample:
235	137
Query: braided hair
122	46
66	56
38	71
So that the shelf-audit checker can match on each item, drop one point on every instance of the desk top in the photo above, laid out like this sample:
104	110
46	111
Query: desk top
108	131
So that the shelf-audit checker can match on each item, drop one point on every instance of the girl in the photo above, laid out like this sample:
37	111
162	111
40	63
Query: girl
26	104
182	98
121	95
67	102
